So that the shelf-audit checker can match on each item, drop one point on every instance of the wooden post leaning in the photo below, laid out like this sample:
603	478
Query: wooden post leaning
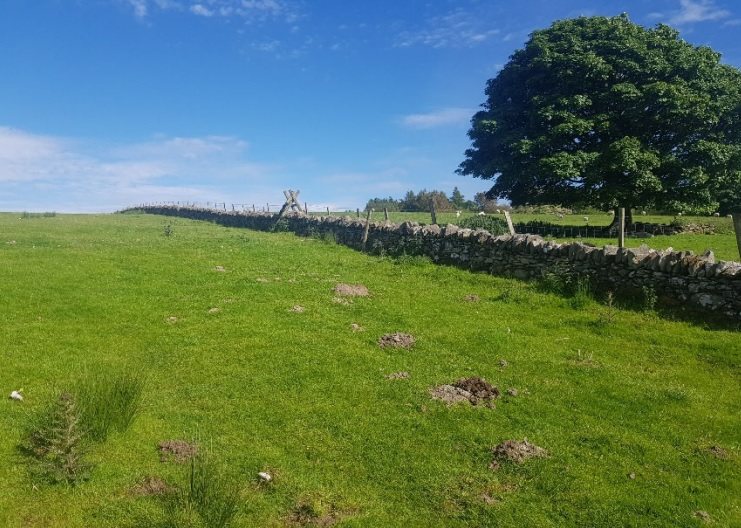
367	227
510	225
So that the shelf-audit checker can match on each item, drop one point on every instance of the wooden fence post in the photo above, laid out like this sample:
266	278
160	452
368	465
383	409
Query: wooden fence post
367	227
306	208
267	205
328	213
510	225
433	213
357	211
385	214
621	227
737	227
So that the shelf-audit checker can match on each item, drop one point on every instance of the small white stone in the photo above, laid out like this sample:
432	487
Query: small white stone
264	476
16	395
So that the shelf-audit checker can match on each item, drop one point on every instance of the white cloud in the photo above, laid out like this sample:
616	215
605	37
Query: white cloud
199	9
140	7
44	172
442	117
458	28
692	11
247	9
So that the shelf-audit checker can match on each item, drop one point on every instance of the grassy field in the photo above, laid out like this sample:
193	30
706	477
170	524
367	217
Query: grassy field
723	242
639	414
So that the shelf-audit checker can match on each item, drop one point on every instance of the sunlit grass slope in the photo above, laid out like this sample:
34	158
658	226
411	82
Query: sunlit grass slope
639	414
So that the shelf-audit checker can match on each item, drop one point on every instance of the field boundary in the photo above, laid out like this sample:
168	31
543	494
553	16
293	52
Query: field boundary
678	278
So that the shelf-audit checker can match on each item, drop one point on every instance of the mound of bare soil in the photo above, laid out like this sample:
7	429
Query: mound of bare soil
474	390
515	451
151	486
479	388
396	340
397	375
178	451
297	308
472	298
351	290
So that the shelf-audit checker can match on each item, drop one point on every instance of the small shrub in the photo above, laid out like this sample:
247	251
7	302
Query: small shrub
281	226
55	440
167	230
109	402
552	283
581	293
608	315
412	260
495	226
649	298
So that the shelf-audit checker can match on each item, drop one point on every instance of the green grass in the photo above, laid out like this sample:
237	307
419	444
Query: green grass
303	397
723	242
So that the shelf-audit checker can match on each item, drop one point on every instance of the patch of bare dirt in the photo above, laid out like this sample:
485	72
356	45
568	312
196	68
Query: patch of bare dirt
308	514
262	280
473	390
221	269
516	452
513	392
178	451
297	308
171	320
351	290
396	340
342	300
355	327
702	515
718	452
397	375
151	486
214	310
472	298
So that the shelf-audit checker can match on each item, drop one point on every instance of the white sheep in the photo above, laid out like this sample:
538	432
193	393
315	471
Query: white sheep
482	213
679	214
458	214
644	213
499	211
560	216
716	215
586	219
16	395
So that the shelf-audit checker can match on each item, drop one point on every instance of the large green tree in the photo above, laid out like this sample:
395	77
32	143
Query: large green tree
603	112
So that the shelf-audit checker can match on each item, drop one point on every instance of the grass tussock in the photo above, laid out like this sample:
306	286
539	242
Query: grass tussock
207	497
109	403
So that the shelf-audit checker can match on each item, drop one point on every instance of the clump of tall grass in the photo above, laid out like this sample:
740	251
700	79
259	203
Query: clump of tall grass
58	436
207	497
109	403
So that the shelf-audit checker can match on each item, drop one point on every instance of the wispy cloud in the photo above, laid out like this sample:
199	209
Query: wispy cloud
438	118
693	11
456	29
45	172
201	10
250	10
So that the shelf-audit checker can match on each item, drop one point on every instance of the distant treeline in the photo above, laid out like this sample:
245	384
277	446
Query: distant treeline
423	200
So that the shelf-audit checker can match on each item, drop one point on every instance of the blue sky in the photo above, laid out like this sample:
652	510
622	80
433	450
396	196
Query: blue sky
111	103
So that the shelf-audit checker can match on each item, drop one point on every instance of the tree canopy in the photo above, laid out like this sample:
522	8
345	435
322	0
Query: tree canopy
603	112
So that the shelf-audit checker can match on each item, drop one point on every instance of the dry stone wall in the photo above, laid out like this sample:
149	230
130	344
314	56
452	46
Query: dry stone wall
676	277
